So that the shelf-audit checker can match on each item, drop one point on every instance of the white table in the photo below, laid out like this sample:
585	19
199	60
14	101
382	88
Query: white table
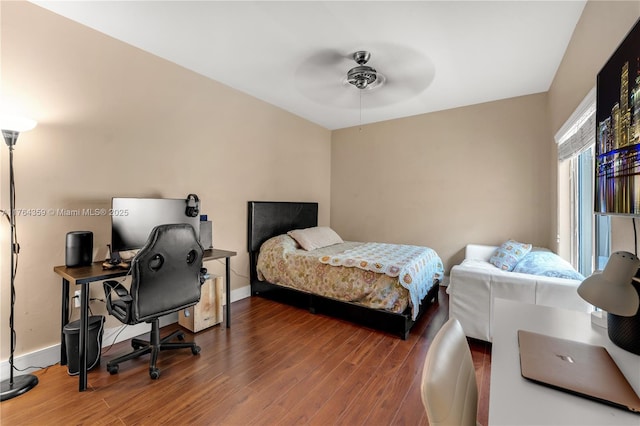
514	400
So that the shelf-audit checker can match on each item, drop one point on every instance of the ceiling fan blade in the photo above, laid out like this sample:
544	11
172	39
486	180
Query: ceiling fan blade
403	73
326	58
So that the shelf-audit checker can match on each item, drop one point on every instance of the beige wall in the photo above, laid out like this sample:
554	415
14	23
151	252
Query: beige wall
115	121
601	28
476	174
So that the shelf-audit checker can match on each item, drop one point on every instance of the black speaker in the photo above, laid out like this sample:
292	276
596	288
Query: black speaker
79	249
625	331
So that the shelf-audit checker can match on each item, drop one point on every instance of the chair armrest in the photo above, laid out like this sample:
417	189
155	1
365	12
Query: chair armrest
121	291
120	307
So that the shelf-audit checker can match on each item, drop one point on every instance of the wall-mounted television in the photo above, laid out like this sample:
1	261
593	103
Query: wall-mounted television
133	219
617	162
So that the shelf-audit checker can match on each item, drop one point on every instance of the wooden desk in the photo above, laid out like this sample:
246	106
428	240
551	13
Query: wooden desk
85	275
514	400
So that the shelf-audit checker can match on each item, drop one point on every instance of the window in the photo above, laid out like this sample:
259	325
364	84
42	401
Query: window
589	234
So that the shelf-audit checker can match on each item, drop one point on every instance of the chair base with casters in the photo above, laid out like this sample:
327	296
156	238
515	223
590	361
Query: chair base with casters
153	347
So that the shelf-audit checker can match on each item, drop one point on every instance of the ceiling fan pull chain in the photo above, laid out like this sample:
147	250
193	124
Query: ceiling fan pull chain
360	128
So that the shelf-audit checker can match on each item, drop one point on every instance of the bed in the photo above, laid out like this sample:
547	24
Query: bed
268	225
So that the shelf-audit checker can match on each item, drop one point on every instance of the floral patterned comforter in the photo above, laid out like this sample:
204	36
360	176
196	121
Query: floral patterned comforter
413	265
281	261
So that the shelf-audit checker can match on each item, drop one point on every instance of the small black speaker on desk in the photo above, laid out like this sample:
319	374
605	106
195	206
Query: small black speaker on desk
79	249
625	331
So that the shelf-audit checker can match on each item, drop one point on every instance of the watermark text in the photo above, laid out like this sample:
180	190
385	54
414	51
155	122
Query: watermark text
41	212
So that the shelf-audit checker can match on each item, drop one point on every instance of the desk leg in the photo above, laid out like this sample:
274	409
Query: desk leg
84	325
228	288
64	320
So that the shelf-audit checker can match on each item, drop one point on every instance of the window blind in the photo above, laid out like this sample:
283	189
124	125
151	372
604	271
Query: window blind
579	132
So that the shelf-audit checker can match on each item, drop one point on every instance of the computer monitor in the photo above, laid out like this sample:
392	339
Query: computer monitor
132	220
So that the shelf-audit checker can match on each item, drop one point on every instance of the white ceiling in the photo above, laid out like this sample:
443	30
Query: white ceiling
435	55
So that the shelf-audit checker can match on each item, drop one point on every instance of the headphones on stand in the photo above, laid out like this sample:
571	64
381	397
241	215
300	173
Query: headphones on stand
193	205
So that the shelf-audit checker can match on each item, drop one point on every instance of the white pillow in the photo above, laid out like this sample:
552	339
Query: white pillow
316	237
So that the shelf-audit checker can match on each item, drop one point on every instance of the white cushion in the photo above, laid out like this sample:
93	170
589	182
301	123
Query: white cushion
316	237
479	252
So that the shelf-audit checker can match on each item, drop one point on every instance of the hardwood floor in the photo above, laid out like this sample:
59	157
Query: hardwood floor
275	365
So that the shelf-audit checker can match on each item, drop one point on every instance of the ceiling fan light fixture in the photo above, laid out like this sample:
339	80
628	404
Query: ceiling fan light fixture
363	75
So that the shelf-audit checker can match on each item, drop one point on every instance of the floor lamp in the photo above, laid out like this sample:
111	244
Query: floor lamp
11	127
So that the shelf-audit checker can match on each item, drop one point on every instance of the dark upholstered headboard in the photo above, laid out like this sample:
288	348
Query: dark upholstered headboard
270	218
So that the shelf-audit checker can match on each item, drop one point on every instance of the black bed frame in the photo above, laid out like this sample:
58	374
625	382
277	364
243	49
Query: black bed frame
270	218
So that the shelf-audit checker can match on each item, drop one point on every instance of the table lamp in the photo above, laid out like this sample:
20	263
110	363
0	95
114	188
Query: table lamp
615	291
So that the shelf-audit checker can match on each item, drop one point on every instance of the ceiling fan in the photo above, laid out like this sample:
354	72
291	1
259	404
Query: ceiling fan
364	76
329	78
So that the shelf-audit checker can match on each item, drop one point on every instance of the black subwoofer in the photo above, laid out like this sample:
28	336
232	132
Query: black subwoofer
79	249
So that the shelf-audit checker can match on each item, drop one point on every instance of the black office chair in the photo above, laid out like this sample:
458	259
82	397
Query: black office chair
166	275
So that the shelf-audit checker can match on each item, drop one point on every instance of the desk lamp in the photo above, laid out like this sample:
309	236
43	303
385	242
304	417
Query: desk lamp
11	127
615	291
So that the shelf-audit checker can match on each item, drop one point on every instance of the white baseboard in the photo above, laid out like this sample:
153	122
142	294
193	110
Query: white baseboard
240	293
445	281
48	356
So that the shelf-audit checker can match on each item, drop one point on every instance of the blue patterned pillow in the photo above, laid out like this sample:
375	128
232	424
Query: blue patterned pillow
507	256
547	264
